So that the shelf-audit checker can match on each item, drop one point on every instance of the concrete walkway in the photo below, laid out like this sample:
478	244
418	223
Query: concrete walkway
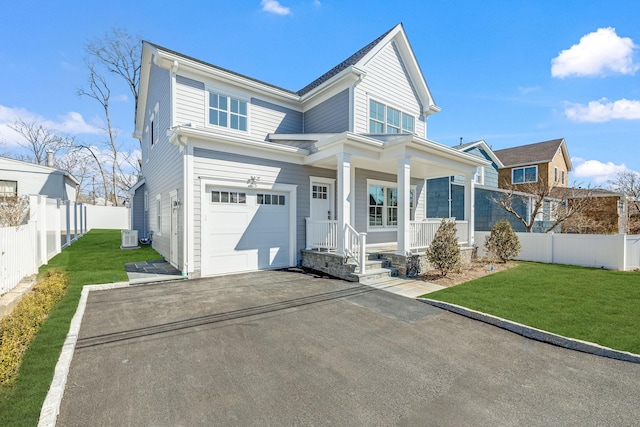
405	287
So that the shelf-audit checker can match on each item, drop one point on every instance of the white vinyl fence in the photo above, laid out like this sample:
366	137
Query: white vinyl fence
52	226
614	252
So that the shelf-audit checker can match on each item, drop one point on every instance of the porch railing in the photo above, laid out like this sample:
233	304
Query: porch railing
322	234
423	232
355	246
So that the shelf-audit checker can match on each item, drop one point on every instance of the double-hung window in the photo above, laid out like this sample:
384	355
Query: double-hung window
8	188
385	119
524	175
228	112
383	205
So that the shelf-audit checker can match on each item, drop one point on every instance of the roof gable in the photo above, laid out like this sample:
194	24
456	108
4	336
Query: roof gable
483	146
540	152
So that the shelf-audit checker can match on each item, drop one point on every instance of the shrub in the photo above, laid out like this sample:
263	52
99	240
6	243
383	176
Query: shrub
503	242
18	329
444	253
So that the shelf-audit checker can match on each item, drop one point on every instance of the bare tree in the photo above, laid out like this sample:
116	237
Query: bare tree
628	183
563	203
40	139
13	210
120	53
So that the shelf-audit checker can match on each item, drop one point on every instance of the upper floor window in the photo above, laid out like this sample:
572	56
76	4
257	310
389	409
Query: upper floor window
227	112
524	175
562	177
479	176
555	174
385	119
8	188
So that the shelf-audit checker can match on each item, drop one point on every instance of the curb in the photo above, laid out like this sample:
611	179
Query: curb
536	334
51	406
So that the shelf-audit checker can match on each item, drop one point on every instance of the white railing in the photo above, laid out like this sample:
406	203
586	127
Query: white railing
322	234
423	232
18	254
355	246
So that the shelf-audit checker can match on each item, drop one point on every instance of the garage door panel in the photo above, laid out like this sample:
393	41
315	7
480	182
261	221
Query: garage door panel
246	236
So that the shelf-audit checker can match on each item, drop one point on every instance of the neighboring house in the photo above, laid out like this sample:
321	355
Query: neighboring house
546	162
444	194
607	212
19	178
241	175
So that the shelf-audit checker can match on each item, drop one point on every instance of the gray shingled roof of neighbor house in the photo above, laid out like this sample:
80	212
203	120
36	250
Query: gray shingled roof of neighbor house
532	153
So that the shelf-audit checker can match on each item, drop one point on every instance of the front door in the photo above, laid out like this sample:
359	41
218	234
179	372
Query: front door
322	199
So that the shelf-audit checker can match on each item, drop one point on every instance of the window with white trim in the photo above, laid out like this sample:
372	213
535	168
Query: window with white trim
524	175
228	112
8	188
233	197
383	205
555	174
385	119
479	176
562	175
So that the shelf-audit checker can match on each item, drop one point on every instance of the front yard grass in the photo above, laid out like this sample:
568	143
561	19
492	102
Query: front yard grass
589	304
94	258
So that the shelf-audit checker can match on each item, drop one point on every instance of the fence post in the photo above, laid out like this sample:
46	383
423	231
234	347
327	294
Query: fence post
42	229
75	221
622	265
81	217
551	256
85	218
57	227
68	210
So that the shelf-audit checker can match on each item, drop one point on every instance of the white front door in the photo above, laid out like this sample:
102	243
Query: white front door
322	199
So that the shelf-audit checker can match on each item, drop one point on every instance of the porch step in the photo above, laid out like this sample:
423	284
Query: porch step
375	275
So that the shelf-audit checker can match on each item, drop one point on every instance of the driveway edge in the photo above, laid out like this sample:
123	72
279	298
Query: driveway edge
536	334
51	406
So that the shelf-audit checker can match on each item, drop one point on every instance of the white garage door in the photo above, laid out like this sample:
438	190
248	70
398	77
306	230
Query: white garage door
244	230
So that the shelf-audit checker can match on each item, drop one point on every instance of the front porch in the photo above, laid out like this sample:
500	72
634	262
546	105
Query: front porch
361	262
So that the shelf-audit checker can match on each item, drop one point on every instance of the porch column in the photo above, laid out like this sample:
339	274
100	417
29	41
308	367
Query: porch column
404	188
469	205
343	200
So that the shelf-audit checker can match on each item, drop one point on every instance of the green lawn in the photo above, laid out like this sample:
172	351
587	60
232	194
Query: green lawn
94	258
593	305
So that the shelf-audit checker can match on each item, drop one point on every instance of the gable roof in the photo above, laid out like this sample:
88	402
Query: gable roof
539	152
484	147
350	68
9	164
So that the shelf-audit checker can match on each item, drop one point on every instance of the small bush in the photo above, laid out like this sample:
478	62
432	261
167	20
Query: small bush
19	328
503	242
444	253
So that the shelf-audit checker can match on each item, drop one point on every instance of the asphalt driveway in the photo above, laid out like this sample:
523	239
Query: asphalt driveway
281	348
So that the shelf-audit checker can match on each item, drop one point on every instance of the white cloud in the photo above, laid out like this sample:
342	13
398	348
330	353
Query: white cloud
525	90
121	98
274	6
71	123
596	171
317	3
603	110
599	53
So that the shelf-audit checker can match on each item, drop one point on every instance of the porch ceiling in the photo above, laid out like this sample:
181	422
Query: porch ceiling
381	153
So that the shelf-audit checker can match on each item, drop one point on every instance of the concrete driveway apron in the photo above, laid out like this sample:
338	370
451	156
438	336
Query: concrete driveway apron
281	348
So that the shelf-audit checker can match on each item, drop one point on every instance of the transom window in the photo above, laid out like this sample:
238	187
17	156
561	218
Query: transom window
270	199
524	175
226	111
385	119
383	205
8	188
319	192
235	197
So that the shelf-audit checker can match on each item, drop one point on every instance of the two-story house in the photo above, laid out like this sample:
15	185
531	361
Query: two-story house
545	162
241	175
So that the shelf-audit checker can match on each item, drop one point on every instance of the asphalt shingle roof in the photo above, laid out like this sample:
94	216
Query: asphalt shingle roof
528	154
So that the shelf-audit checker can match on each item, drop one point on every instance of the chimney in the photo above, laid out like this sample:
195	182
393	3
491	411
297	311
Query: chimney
50	158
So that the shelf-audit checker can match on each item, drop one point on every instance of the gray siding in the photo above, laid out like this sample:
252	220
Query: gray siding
233	166
162	164
330	116
137	212
490	172
190	101
271	118
438	199
387	82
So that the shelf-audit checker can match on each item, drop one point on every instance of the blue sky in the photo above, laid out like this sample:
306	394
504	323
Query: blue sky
508	72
